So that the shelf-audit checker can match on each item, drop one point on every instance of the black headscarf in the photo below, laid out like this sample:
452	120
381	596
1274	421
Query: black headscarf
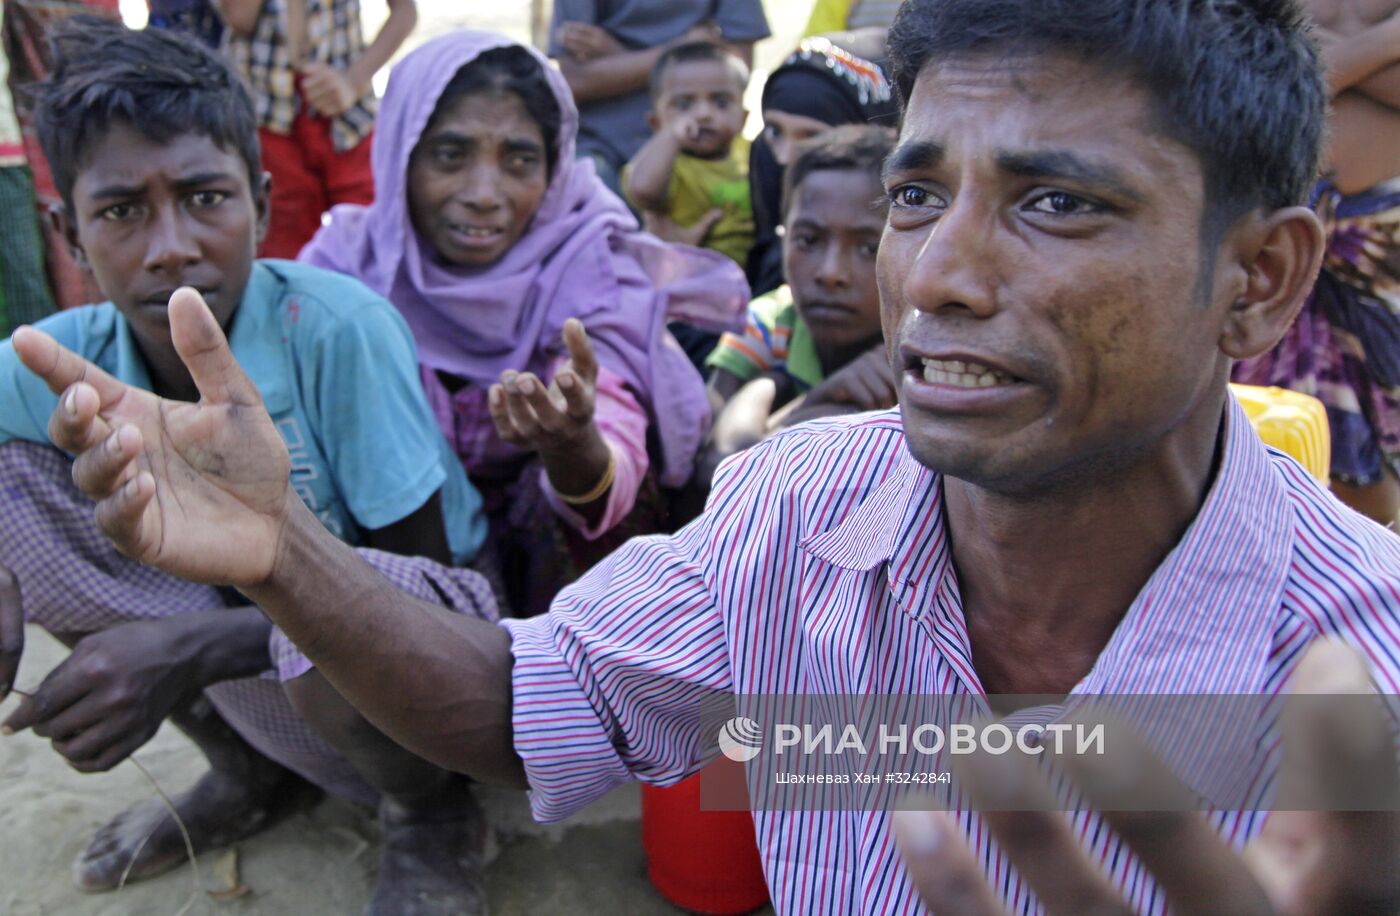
819	80
812	93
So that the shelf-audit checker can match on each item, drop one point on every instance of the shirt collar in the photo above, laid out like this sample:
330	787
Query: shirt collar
131	365
256	337
1203	622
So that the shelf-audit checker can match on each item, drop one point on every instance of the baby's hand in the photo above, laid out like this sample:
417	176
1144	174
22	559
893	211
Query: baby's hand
663	227
685	130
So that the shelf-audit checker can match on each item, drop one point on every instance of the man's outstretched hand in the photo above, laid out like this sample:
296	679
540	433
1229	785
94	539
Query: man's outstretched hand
1304	863
199	490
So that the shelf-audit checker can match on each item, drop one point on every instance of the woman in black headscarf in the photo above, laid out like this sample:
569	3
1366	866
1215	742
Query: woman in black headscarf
826	82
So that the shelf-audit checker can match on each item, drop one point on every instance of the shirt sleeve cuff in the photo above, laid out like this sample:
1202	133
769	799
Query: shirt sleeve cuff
569	759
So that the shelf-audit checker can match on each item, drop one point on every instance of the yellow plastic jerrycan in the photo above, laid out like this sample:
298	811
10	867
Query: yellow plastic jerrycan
1290	422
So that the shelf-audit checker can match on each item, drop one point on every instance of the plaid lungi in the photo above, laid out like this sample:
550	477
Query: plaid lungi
73	581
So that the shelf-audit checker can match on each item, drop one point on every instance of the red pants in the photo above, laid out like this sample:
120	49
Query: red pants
308	178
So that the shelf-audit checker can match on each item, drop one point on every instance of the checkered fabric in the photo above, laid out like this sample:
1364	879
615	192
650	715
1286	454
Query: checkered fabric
73	580
333	36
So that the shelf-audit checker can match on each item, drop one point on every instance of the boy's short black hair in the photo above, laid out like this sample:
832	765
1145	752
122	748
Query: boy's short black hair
157	82
1237	81
848	148
693	51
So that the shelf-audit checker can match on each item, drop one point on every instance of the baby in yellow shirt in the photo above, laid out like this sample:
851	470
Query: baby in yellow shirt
691	179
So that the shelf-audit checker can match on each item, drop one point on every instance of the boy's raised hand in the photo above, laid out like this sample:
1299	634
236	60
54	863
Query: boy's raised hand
866	382
199	490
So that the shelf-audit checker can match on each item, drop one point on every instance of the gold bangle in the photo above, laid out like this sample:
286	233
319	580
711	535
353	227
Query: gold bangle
599	489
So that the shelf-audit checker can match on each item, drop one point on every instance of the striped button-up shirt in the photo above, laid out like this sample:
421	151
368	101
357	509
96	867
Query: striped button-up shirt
822	565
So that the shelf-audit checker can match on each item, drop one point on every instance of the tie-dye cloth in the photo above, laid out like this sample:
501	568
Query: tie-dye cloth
73	581
1344	348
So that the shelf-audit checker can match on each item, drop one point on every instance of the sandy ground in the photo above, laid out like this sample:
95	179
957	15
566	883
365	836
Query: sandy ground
320	862
317	863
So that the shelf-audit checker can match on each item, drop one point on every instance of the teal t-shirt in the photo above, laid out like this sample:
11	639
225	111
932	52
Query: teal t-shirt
338	371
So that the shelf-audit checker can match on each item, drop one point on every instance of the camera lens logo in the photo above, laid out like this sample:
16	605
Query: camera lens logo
740	739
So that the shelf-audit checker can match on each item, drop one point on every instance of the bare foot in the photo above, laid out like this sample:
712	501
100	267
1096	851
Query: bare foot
217	810
430	860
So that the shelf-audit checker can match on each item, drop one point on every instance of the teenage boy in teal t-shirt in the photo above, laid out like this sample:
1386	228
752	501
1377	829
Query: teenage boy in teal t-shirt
154	150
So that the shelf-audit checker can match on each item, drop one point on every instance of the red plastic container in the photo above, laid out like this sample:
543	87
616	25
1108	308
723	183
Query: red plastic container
702	861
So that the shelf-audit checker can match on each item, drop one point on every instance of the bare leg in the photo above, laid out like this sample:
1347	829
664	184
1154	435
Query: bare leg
433	830
243	793
1380	501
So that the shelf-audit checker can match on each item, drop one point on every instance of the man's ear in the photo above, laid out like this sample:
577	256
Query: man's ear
653	122
262	203
1282	253
61	220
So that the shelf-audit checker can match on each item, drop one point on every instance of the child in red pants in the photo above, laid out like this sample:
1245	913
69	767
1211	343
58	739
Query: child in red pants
309	71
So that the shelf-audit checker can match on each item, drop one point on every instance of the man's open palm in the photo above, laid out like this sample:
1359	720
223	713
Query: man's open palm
199	490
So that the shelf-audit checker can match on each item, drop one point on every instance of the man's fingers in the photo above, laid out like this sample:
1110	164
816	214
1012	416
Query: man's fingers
100	471
948	878
97	748
124	519
581	351
11	630
1338	759
59	690
74	720
1337	738
109	759
1021	812
204	350
75	424
1145	803
61	368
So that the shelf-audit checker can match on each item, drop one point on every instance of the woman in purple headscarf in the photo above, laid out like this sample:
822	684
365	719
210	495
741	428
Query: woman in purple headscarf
538	307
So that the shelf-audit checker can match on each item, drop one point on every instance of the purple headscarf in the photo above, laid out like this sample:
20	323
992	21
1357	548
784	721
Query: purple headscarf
581	257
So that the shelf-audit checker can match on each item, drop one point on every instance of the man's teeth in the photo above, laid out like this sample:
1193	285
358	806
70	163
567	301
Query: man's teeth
475	232
963	375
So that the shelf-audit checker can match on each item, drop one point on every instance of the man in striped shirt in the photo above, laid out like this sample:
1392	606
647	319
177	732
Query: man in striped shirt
1094	210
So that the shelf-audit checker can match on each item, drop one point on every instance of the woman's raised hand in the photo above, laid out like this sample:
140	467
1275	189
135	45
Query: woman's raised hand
198	490
554	419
